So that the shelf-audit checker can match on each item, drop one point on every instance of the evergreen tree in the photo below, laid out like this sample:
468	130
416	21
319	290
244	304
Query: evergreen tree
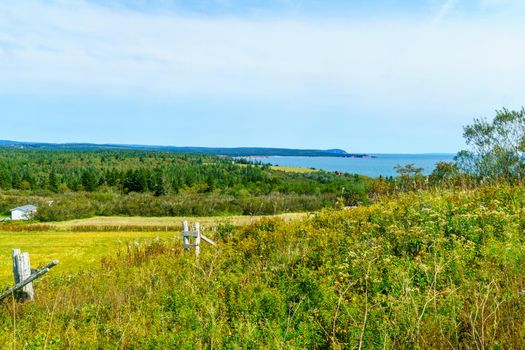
89	180
53	181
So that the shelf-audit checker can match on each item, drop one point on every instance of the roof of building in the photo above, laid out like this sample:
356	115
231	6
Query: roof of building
26	208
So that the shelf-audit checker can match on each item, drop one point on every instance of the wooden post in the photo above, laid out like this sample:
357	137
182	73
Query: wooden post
206	239
196	234
16	274
197	229
185	229
22	271
26	272
36	274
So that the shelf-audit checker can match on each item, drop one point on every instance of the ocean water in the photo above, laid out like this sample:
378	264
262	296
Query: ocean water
379	165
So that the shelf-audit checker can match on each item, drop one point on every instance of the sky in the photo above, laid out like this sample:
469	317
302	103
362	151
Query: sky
384	76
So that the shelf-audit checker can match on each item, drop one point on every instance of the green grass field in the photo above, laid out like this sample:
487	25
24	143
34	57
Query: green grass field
78	244
74	250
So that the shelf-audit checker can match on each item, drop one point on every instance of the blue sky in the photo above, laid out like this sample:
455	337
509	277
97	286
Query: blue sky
366	76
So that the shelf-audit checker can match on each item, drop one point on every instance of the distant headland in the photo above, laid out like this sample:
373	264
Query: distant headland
224	151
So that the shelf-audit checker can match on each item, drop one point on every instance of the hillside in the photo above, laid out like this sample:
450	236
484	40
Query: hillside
426	270
219	151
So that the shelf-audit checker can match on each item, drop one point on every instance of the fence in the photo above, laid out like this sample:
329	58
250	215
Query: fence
24	276
195	235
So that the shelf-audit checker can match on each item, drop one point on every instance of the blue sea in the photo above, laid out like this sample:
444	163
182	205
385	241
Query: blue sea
374	166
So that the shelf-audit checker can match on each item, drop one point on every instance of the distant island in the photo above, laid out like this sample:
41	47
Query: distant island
219	151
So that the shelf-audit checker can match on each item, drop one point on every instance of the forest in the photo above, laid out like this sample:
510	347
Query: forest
72	184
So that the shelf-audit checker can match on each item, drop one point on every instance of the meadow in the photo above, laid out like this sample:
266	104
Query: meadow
159	223
289	169
427	269
74	250
80	244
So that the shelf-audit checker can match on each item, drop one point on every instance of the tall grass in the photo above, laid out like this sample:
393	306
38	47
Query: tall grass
426	270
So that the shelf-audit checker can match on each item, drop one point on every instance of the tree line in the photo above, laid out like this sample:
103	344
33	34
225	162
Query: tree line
154	172
124	182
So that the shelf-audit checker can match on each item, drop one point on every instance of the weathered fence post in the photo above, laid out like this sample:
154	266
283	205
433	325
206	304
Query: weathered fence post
197	229
24	276
185	238
22	271
196	234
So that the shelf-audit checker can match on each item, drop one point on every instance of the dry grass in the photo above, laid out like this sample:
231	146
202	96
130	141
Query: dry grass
170	222
288	169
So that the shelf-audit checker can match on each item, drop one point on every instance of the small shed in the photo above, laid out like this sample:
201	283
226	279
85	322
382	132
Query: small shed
25	212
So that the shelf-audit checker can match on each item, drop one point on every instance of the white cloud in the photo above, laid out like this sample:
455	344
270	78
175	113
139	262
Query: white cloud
445	9
76	47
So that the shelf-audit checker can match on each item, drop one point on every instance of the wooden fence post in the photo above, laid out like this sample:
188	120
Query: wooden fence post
185	229
196	235
22	271
197	229
24	276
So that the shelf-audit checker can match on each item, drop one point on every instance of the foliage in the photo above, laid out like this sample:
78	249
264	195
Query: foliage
409	176
112	182
426	270
496	148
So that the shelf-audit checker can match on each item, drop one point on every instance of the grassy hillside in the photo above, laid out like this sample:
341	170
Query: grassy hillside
426	270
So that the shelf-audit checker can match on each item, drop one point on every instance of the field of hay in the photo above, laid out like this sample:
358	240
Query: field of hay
170	223
289	169
80	244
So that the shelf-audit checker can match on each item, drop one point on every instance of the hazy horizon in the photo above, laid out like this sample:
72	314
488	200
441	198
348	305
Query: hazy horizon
384	77
219	146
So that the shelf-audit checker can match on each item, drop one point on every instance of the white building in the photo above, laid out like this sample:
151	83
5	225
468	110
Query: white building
25	212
